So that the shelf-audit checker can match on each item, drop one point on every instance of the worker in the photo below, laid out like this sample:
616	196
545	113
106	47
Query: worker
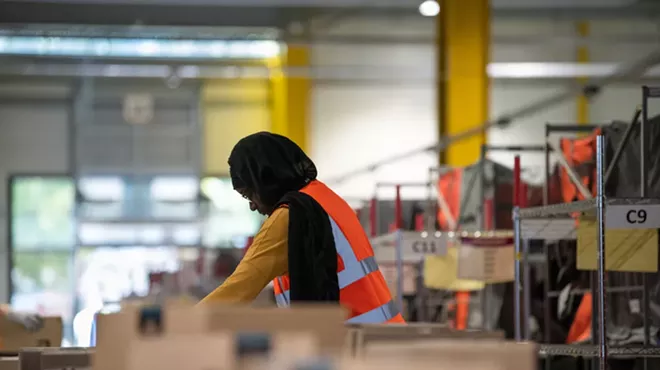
311	246
31	322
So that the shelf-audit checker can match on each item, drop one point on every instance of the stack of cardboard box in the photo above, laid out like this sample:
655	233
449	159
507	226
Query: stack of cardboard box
176	335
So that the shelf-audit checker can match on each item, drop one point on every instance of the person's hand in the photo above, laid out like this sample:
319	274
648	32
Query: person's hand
31	322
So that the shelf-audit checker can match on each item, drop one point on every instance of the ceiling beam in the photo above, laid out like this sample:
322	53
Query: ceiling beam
14	12
509	40
263	13
392	4
194	70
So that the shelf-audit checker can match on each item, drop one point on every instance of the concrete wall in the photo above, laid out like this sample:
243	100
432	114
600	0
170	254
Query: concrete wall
355	124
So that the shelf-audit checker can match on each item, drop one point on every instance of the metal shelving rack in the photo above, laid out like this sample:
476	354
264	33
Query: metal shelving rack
554	222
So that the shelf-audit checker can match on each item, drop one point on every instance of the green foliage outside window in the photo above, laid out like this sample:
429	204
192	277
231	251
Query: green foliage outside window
42	213
36	271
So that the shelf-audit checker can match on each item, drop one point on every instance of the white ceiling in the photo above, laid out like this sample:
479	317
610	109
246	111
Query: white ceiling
561	3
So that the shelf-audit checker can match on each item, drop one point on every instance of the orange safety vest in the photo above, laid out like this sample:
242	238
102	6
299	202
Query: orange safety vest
363	290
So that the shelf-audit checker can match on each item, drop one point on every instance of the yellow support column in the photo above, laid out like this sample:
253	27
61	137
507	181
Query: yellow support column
291	94
582	56
232	109
463	53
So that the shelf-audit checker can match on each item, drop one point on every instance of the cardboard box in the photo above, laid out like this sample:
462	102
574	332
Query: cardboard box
54	358
369	334
326	323
456	354
427	355
215	351
118	333
66	358
14	336
9	363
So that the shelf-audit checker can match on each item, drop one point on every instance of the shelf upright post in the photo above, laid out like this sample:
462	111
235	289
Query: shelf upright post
526	273
517	241
398	223
482	183
546	247
373	216
602	277
482	225
643	190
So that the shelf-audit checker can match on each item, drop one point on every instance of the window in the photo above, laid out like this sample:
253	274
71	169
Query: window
105	276
174	198
42	213
42	282
42	243
229	219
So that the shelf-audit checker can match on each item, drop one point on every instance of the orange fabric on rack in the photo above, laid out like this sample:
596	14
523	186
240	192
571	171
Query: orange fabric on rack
449	185
581	327
578	152
462	310
419	223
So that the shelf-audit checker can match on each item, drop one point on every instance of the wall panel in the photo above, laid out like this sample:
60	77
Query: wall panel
357	123
354	126
107	143
33	139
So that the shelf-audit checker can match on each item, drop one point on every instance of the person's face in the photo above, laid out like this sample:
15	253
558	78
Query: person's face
255	203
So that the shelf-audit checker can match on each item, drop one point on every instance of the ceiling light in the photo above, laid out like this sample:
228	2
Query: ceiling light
148	48
429	8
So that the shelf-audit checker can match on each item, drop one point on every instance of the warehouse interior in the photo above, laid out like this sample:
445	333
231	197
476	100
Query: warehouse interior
440	122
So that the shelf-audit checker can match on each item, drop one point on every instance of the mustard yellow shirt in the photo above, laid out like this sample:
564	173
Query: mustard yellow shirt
266	259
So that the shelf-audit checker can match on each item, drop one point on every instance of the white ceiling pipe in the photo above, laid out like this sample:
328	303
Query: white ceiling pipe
498	71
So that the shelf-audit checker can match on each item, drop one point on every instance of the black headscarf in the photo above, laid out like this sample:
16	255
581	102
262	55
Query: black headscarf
274	168
270	165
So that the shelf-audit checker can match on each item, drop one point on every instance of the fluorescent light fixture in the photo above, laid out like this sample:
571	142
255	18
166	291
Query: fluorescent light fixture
138	48
550	70
145	48
429	8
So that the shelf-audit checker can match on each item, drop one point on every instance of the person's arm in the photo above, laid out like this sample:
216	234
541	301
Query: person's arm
266	259
31	322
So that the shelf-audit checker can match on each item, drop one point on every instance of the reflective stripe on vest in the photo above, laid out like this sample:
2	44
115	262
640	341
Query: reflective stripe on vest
378	315
283	299
353	271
